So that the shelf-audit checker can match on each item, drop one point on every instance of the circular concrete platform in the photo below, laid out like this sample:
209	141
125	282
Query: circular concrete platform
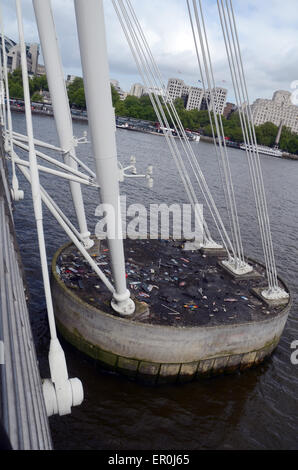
192	318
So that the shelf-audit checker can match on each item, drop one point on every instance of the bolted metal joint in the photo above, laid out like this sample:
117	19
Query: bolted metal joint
88	242
210	244
16	193
123	304
237	266
59	400
60	392
275	293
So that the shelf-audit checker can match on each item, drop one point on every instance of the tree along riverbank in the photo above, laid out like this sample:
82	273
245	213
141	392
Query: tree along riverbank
141	108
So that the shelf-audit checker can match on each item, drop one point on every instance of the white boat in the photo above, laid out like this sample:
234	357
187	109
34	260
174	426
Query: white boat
195	137
262	149
192	136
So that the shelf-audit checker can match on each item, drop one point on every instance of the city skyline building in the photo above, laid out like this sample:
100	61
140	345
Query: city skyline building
229	109
137	89
13	52
122	94
194	98
219	96
278	109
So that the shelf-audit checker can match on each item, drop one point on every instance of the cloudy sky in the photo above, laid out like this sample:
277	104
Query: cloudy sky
268	36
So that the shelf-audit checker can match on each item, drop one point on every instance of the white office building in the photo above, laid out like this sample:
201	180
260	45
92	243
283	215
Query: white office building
137	89
13	52
219	96
177	89
122	94
194	97
70	79
279	109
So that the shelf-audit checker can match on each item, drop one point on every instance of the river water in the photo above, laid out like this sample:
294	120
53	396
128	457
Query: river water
252	410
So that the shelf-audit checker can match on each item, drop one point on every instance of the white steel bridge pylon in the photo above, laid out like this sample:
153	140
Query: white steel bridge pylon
61	392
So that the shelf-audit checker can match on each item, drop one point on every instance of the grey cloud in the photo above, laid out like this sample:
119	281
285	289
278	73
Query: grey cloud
267	34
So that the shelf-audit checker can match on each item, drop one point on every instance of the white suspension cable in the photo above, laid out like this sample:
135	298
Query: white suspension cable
238	78
168	103
258	163
177	125
2	91
185	142
180	132
227	182
225	157
211	121
158	110
164	121
249	153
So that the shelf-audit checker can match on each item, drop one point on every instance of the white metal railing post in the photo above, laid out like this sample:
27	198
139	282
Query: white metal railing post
57	87
92	40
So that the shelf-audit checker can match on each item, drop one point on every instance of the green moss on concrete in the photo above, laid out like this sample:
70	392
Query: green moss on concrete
76	339
272	347
151	372
233	363
149	368
219	365
168	373
127	366
148	372
205	368
265	352
260	356
248	360
187	372
106	358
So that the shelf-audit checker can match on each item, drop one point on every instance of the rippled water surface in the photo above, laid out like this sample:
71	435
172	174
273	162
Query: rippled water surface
253	410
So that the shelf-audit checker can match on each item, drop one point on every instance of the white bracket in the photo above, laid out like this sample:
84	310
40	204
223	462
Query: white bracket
75	141
133	170
192	245
88	242
80	140
275	293
210	244
123	304
60	393
237	266
7	144
16	193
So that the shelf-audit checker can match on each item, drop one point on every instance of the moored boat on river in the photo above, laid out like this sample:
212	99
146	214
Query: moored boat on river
273	152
